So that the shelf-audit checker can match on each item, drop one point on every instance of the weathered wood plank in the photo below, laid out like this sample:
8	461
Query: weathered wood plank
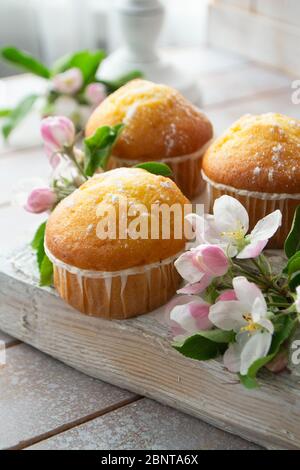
144	425
39	395
136	354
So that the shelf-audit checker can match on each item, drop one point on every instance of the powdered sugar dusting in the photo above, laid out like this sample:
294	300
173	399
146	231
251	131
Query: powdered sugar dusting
257	171
165	184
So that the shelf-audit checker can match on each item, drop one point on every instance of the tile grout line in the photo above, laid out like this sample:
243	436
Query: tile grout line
72	424
14	342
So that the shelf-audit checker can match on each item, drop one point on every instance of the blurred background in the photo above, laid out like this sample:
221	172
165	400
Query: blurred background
50	28
264	30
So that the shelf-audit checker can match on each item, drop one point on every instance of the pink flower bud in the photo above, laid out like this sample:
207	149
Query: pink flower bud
279	363
68	82
228	294
188	318
95	93
200	265
40	200
57	132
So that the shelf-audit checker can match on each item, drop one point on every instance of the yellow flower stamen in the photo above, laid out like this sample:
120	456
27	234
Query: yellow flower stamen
235	234
252	326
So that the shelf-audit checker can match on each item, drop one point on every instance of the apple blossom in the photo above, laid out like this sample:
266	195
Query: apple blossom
68	82
40	200
58	133
189	316
95	93
200	265
228	227
228	294
65	106
248	317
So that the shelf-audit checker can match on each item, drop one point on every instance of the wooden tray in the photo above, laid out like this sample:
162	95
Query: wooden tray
136	354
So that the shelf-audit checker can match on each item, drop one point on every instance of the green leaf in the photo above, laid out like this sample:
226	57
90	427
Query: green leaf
44	264
292	269
113	85
39	235
24	60
17	114
205	345
46	272
97	148
156	168
248	382
292	242
5	112
218	336
87	61
288	325
294	281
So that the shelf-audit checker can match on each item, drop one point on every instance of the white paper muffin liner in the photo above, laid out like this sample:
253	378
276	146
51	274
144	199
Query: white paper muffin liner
186	169
117	294
258	205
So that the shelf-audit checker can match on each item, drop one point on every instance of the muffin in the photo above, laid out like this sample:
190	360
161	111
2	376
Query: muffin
257	161
110	274
161	125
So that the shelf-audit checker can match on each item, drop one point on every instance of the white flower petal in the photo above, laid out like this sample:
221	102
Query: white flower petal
232	357
197	222
266	324
192	316
187	269
181	315
227	315
253	249
230	215
259	309
247	292
211	233
256	347
266	227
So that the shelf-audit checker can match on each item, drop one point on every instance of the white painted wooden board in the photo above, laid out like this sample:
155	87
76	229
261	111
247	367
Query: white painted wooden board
136	354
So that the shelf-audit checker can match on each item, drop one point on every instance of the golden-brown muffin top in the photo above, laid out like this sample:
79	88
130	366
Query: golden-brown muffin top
71	232
159	121
257	153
